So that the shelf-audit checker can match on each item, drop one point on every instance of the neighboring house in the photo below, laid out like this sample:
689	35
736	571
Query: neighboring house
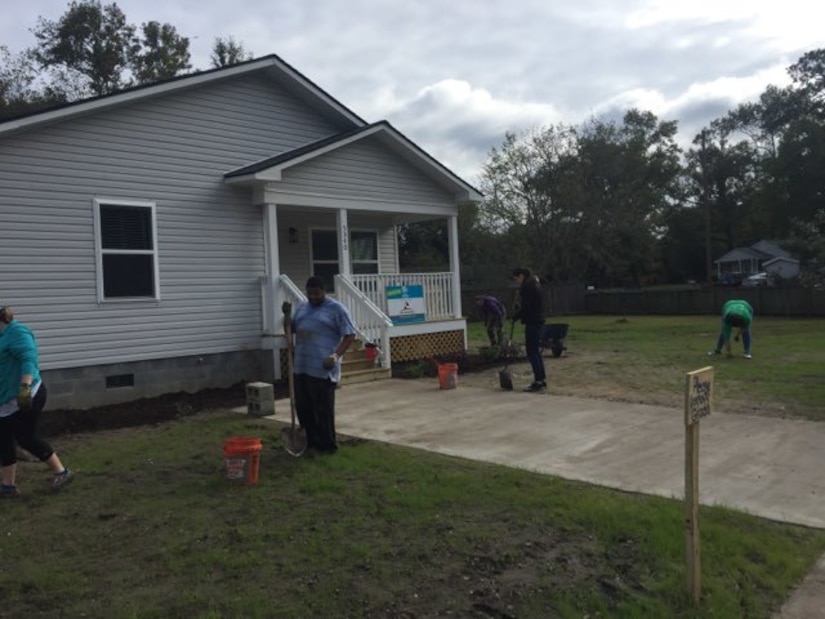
744	261
150	237
781	267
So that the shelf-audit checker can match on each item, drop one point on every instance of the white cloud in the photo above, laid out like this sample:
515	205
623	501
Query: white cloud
455	76
732	89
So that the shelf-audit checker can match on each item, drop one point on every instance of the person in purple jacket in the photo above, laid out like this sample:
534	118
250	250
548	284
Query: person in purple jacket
22	398
492	313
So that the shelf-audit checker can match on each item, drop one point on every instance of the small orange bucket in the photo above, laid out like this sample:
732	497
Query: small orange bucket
448	375
242	456
371	351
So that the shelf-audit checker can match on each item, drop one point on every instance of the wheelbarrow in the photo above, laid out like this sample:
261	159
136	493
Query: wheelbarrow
553	336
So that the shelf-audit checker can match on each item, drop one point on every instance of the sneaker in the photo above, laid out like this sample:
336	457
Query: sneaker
748	355
536	387
713	353
9	491
61	479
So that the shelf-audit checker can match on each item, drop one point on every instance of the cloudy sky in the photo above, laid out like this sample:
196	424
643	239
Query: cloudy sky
454	75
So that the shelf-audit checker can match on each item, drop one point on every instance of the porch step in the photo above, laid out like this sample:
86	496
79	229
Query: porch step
364	376
355	364
357	368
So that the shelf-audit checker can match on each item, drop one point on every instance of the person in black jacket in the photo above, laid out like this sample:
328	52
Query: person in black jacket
530	311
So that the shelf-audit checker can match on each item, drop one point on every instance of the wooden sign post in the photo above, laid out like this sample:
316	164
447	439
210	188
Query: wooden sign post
698	402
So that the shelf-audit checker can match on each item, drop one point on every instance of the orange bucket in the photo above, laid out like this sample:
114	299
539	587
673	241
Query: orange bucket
371	351
242	456
448	375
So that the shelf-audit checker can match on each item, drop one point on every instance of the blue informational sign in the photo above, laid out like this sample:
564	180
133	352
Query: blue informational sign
405	304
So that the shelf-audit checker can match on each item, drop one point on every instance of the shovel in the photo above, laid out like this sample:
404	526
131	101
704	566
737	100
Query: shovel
294	438
505	379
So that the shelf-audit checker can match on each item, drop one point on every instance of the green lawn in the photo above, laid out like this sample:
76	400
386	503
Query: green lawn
644	358
152	528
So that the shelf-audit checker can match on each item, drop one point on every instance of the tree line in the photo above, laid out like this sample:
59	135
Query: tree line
93	50
619	202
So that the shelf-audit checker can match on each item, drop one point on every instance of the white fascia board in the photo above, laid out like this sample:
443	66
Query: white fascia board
422	328
312	200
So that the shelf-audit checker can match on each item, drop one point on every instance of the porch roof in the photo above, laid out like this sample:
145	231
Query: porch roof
742	253
270	169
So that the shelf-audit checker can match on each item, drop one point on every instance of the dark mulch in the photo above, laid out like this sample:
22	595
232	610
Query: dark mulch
146	411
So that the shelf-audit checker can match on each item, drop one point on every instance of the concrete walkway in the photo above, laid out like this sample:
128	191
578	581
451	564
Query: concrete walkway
768	467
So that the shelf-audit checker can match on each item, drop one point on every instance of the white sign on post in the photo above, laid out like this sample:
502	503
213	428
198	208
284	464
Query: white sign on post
698	404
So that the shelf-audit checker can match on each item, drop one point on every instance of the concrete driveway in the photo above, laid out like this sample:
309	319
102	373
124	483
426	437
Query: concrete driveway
765	466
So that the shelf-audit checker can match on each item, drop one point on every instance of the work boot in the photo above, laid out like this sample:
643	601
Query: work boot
536	387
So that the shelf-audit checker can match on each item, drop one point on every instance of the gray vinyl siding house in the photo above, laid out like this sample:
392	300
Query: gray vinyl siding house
140	231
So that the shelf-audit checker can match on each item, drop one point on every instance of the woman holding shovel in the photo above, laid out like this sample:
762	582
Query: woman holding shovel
323	331
530	310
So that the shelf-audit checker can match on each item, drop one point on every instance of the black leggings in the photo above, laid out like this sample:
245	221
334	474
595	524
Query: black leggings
21	427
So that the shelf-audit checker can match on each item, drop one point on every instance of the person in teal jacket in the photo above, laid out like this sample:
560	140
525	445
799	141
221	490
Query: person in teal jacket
22	398
736	315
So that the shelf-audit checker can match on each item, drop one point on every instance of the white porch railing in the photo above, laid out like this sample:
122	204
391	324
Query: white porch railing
289	292
438	290
372	324
273	294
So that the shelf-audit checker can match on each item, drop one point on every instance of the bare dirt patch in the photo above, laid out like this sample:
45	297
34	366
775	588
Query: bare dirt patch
146	410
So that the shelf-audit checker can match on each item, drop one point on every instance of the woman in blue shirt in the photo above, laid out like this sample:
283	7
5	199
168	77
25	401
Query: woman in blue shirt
22	398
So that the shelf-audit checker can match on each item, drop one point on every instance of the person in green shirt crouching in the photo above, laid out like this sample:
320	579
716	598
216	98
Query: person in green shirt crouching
737	316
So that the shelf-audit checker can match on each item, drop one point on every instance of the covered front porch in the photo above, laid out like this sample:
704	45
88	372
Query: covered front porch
332	209
407	316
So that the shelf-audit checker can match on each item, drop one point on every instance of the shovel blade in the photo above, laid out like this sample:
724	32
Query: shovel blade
505	380
295	441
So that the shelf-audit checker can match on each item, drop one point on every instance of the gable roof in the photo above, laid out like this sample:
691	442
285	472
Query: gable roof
780	259
270	65
771	248
270	169
761	250
743	253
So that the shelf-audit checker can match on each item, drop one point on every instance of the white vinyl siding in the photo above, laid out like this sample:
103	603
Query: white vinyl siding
171	151
370	170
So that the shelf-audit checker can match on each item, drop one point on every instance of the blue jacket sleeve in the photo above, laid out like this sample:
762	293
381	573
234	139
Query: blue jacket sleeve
24	348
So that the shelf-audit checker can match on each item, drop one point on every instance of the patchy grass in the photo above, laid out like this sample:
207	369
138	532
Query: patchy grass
151	528
644	359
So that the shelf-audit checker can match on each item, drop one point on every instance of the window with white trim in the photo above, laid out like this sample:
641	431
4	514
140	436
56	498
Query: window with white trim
127	261
364	252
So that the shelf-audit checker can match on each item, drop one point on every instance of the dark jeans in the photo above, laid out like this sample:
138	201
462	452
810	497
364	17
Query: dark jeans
315	407
746	339
532	346
494	330
21	427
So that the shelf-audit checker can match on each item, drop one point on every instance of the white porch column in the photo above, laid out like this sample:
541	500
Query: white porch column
343	242
273	319
455	267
